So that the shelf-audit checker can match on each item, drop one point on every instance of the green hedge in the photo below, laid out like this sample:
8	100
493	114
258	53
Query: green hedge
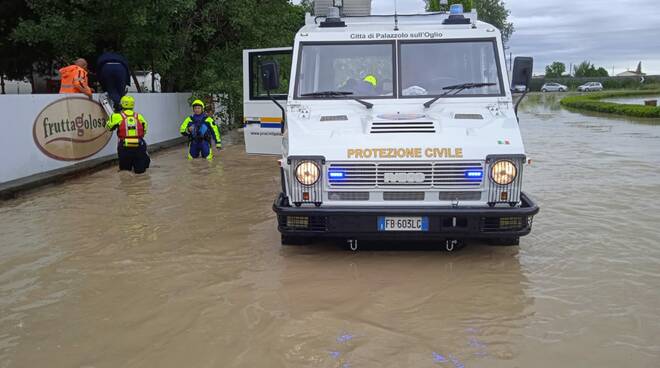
591	102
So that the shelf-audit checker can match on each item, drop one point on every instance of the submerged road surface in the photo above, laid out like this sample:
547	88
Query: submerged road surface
183	268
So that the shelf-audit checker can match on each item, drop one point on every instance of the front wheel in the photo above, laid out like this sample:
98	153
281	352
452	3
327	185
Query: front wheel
544	90
504	242
562	90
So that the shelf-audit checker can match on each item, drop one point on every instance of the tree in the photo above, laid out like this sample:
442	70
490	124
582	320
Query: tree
602	72
583	69
555	70
490	11
239	25
196	45
495	13
17	59
587	69
307	5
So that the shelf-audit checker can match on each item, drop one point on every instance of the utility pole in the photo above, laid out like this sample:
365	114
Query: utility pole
510	60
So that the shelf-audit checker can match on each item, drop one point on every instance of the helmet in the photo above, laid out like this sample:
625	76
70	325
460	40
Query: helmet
198	103
127	102
371	80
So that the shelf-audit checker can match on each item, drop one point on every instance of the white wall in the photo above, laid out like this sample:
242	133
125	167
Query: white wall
14	87
20	157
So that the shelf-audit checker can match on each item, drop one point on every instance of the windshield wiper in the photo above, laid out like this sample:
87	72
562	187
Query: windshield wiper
337	94
457	88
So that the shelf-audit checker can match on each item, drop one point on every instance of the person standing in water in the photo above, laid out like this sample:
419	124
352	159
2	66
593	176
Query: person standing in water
131	129
201	130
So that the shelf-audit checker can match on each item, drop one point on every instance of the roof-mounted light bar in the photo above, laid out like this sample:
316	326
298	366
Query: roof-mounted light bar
348	8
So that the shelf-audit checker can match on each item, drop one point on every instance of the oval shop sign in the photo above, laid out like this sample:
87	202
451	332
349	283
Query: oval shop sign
71	129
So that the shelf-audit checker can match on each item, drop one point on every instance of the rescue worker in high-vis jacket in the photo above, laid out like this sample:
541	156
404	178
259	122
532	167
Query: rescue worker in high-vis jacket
73	78
201	130
131	129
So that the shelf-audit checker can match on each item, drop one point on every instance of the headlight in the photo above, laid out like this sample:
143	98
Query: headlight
307	172
503	172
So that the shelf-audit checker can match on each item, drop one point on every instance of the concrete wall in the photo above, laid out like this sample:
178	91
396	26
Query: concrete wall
22	123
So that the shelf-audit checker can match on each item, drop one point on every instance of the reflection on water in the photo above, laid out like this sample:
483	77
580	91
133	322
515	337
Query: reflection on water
183	267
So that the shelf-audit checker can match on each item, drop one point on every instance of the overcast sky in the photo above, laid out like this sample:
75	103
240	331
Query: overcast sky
611	34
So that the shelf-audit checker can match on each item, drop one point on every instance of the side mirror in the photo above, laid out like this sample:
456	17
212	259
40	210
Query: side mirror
270	75
522	72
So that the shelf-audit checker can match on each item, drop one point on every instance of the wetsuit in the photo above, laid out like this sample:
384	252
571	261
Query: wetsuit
200	137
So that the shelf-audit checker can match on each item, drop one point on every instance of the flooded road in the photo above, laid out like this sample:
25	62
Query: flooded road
639	100
183	268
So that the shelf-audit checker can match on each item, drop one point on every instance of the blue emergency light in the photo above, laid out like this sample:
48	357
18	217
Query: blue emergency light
456	9
474	174
336	174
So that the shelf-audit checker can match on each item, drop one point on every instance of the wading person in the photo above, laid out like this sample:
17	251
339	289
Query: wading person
201	131
131	129
73	78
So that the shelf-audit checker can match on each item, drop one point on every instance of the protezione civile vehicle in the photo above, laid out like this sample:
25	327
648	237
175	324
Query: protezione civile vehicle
391	127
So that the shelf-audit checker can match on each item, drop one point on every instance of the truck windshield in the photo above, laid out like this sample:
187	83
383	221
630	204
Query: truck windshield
428	67
356	70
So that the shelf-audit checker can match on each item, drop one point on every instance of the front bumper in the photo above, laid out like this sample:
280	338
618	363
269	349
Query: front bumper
460	223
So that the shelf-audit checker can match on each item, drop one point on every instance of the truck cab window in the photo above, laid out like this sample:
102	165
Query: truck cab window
428	67
363	70
283	58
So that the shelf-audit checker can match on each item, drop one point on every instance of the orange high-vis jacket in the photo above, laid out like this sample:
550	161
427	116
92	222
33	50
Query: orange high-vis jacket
74	80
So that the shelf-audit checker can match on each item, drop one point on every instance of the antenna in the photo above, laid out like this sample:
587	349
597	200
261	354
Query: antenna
396	18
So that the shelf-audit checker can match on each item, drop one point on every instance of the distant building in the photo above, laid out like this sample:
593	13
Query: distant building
630	73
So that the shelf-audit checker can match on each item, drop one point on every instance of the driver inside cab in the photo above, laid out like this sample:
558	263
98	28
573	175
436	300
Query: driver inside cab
368	86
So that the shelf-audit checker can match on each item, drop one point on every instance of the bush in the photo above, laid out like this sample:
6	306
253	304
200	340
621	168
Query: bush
591	102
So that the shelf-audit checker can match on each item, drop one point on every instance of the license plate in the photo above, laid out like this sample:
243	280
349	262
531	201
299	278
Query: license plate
403	223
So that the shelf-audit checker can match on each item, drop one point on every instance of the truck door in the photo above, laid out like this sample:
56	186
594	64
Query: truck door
262	118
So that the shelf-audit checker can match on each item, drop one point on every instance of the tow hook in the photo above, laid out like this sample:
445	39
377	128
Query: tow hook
353	244
451	244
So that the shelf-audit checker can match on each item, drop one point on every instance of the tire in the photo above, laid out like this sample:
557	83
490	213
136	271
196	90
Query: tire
544	90
562	90
504	242
295	240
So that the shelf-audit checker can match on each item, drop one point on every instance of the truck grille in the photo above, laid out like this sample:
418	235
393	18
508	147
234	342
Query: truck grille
403	196
379	127
449	175
459	196
348	196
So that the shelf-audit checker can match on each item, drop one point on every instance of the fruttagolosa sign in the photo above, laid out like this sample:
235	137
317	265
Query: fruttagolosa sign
71	129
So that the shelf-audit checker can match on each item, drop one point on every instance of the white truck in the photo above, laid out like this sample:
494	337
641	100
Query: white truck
391	127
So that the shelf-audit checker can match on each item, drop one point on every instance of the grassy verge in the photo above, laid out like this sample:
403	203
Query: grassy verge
591	102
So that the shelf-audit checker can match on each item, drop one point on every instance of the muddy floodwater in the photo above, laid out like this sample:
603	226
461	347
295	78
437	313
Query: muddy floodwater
182	267
639	100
